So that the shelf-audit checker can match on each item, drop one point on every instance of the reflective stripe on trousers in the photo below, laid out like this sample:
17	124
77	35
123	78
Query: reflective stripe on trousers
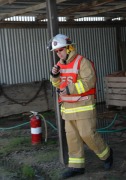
76	160
104	152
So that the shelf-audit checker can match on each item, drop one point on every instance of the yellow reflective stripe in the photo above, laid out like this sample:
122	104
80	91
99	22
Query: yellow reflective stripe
78	109
76	160
79	86
103	153
57	83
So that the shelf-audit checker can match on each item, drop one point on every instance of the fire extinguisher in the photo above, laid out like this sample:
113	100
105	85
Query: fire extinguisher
36	128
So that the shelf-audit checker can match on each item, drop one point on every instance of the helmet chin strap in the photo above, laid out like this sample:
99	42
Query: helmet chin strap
68	49
64	60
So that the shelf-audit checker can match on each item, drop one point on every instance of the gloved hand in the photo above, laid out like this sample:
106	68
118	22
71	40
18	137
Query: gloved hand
55	70
62	92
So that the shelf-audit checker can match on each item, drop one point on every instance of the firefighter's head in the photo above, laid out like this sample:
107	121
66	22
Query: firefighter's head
61	44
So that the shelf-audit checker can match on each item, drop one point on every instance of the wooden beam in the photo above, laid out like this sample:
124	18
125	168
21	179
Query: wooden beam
67	11
80	7
83	6
3	2
101	2
29	9
108	9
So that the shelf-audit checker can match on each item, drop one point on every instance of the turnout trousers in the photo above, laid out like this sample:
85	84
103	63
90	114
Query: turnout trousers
83	131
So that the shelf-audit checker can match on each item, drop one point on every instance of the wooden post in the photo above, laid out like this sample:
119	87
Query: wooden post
52	31
122	46
118	32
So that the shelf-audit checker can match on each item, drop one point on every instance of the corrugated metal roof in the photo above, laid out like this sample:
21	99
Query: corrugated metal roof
72	9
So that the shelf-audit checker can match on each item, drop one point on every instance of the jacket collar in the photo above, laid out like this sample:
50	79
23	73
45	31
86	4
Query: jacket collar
70	58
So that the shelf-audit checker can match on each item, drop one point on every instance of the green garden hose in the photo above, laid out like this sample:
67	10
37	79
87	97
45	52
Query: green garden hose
13	127
100	130
107	130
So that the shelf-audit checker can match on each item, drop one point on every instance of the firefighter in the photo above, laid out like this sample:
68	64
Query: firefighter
75	79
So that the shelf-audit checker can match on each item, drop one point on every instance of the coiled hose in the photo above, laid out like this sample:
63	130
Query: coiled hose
107	130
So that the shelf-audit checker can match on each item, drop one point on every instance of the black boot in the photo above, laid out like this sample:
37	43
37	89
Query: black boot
109	161
72	172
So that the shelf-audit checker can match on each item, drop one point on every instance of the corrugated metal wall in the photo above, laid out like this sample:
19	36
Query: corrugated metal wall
123	34
24	57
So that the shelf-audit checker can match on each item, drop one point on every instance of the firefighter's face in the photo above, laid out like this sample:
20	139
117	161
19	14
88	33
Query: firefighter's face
61	53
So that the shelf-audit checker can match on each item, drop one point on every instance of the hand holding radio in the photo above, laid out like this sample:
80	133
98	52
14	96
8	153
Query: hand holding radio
55	69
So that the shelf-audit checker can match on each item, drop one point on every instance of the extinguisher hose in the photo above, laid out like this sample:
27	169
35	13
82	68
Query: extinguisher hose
45	124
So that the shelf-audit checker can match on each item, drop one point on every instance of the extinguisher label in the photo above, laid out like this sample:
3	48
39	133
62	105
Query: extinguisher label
37	130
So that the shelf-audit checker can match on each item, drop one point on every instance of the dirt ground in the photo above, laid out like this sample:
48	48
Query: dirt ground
18	154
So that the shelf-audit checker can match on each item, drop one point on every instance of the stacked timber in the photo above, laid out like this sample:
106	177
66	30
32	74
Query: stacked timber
115	89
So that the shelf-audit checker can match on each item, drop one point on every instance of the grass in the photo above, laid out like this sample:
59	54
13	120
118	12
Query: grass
55	174
47	156
14	144
28	171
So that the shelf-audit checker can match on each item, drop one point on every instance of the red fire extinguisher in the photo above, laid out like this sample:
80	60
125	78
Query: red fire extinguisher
36	128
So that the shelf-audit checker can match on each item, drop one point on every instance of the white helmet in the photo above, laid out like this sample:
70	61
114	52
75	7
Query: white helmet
59	41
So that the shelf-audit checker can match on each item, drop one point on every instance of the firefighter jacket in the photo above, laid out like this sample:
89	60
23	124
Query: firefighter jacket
83	81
